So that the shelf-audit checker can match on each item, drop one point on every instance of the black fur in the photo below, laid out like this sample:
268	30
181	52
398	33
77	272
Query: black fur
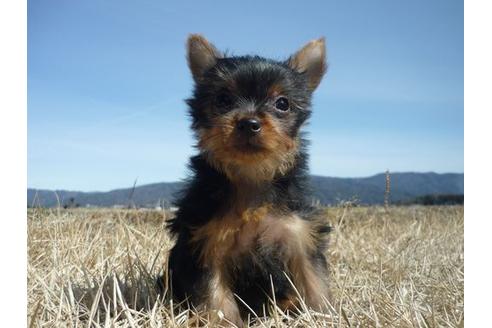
253	76
208	190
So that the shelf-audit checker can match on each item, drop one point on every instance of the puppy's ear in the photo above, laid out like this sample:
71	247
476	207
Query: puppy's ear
311	61
202	55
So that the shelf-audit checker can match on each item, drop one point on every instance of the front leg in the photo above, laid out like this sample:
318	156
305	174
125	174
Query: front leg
310	278
220	298
307	262
301	243
205	286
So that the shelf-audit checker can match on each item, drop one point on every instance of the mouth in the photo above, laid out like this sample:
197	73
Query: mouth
249	145
249	149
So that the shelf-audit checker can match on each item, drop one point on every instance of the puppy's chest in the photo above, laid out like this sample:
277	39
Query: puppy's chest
244	232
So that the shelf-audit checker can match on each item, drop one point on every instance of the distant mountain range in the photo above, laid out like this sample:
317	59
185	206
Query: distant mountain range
404	187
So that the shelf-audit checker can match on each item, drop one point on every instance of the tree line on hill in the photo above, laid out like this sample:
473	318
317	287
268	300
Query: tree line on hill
406	188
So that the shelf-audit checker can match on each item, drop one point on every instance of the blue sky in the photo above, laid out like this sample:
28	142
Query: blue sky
107	80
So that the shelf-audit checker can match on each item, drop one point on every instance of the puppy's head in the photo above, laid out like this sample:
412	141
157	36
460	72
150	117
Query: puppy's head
247	111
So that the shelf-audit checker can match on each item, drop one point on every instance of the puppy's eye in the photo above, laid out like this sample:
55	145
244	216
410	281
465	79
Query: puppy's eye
223	100
282	104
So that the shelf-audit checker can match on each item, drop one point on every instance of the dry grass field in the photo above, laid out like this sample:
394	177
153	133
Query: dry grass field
400	267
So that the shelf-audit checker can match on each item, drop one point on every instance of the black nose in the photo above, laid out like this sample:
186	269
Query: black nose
249	125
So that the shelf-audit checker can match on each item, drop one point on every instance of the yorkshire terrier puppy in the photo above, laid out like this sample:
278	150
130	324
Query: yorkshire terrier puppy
245	224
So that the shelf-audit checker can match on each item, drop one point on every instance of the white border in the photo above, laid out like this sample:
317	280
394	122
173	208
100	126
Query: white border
13	166
478	108
478	213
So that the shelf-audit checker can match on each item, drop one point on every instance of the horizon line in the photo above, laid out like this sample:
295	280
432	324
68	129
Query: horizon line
184	179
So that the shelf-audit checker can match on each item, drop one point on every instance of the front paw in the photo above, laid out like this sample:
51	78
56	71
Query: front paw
220	319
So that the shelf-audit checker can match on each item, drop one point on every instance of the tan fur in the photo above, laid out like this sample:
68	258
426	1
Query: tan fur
290	303
310	285
311	60
234	233
221	299
274	91
201	55
276	153
229	235
297	238
221	239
